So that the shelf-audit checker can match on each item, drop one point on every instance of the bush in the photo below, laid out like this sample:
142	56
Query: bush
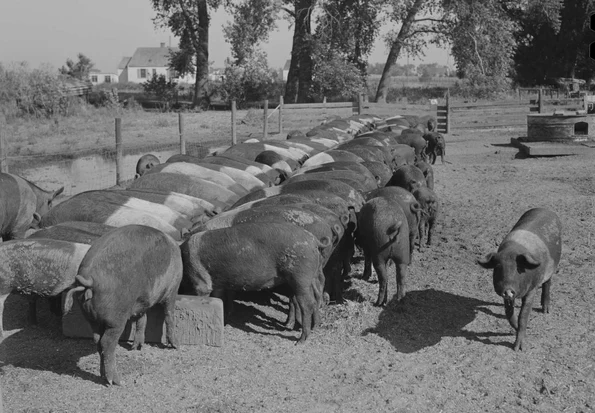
37	92
250	81
164	90
335	79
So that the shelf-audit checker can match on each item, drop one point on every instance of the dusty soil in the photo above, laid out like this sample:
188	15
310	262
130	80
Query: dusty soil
445	348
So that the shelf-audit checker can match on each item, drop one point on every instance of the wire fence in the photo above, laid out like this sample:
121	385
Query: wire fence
93	152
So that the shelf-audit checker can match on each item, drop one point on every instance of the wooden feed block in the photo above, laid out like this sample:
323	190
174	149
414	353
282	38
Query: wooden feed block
197	320
549	148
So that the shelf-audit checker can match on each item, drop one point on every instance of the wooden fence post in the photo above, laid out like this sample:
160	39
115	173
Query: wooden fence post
3	150
447	111
360	103
119	163
234	139
280	115
265	131
540	101
182	137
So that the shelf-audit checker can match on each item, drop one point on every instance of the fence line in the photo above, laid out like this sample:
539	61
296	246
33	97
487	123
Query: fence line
506	113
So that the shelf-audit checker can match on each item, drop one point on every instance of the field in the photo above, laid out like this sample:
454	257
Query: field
445	348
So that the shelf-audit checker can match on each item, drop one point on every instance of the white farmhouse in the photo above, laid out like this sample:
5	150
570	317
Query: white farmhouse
147	61
98	77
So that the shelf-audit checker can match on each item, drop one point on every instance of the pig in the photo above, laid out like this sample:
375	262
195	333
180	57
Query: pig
413	138
430	207
383	234
280	214
411	208
252	257
428	172
276	161
526	259
436	146
73	231
255	168
37	268
21	205
366	180
199	188
335	155
125	272
199	171
83	207
367	176
145	163
409	177
381	172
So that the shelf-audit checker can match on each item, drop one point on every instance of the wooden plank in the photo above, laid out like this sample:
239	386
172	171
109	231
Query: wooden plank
320	105
551	149
508	103
491	125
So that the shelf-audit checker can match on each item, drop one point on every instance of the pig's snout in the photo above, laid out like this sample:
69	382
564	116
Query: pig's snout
508	295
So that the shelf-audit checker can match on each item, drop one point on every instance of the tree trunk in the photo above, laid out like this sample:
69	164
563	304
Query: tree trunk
202	53
299	78
395	50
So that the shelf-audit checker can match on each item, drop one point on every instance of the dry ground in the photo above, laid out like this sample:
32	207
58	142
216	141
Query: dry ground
445	348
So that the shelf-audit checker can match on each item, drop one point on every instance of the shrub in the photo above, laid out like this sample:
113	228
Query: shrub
164	90
335	79
250	81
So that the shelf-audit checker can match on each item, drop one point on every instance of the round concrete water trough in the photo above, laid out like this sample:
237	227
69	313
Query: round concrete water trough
560	127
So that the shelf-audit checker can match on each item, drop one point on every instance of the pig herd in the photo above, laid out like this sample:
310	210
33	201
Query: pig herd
252	217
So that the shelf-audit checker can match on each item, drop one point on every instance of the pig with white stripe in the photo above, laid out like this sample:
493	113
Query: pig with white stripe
526	260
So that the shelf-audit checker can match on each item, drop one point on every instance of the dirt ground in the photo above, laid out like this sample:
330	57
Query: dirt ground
445	348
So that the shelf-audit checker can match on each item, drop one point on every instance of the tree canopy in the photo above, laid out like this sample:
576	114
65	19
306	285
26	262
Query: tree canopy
79	69
188	20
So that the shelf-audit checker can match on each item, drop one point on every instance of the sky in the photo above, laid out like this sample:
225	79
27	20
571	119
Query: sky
108	30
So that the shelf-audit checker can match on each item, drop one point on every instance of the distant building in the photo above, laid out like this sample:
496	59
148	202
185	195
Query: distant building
98	77
122	65
216	75
149	61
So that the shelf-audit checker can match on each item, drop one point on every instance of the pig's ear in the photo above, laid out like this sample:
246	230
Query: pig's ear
489	261
527	261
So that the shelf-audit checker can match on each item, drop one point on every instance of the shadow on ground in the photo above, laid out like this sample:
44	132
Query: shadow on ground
42	347
424	317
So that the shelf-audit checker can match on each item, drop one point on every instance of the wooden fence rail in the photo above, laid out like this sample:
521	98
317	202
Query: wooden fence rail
505	113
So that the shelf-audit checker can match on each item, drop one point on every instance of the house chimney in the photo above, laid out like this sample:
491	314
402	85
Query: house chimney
162	44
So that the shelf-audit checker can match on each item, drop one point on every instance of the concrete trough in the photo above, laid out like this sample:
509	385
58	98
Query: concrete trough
197	321
560	127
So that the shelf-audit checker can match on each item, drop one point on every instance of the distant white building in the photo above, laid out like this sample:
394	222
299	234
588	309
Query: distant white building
98	77
149	61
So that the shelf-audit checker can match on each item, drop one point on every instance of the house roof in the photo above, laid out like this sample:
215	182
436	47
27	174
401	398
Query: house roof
151	57
287	64
124	62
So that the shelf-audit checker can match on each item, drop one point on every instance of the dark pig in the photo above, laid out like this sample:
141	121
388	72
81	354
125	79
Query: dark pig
37	268
409	177
430	207
22	203
125	272
383	234
526	260
252	257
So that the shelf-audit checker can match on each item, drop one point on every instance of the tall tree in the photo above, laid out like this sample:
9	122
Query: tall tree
189	20
348	28
299	77
411	35
252	22
79	69
483	55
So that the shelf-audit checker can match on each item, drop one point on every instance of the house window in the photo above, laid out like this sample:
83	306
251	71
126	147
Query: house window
142	73
108	79
94	79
